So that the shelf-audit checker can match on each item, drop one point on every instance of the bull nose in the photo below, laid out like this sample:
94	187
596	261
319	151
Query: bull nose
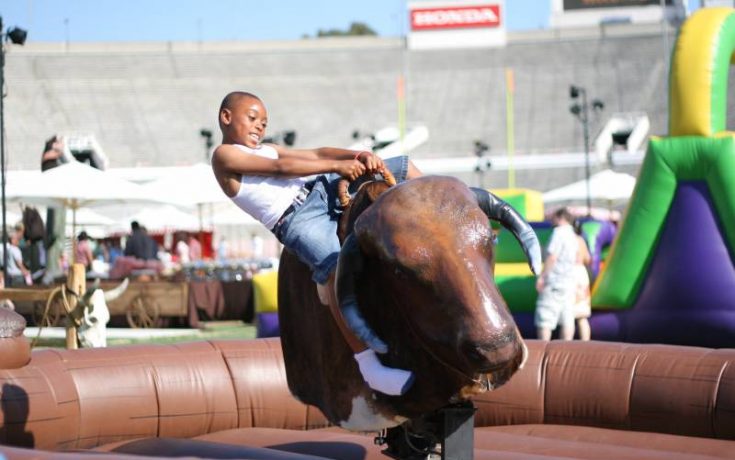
490	356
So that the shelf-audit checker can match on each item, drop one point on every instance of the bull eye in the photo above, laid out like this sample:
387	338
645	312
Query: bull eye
92	320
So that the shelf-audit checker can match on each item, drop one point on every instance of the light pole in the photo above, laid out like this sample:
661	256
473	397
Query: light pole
17	36
580	109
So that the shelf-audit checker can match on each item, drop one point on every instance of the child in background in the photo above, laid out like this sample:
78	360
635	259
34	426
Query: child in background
582	306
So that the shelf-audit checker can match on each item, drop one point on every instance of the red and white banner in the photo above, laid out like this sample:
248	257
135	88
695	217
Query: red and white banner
455	17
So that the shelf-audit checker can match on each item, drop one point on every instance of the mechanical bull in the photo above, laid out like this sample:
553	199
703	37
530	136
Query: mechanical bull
91	314
417	259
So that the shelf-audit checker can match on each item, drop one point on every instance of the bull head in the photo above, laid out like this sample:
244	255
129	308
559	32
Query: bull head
96	314
415	278
431	250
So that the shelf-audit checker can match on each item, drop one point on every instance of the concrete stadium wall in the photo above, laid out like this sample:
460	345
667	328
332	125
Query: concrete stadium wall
147	102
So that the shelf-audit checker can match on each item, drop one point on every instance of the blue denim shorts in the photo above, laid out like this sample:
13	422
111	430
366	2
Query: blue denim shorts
310	231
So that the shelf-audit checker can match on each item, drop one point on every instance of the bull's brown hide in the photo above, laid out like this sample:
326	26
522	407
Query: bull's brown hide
425	287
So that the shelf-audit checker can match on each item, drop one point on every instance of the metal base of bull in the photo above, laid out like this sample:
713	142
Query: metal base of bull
451	427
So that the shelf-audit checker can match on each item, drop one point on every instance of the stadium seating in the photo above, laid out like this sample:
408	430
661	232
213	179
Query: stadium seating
147	102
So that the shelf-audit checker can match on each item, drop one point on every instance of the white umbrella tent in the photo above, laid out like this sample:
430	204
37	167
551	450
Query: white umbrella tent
606	186
74	186
193	186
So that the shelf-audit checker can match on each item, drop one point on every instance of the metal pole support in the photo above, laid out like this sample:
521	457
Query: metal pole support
459	433
451	427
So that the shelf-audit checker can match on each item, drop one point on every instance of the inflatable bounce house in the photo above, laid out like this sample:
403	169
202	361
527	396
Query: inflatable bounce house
670	277
265	296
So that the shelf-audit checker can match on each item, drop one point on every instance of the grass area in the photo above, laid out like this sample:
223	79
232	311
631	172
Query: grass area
210	331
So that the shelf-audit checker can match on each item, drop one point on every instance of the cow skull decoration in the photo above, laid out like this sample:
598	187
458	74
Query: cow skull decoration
96	314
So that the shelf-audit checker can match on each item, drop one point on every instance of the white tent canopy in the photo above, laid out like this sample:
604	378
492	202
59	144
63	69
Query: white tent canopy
75	185
158	218
191	186
606	186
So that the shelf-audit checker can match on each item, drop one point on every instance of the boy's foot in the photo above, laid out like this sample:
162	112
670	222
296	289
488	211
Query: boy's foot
387	380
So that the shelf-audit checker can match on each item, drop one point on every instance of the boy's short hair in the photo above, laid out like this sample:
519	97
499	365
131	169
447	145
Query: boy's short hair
232	98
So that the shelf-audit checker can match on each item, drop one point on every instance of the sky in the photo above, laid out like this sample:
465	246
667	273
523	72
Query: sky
208	20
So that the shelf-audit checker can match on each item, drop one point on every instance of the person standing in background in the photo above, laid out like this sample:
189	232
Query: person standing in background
182	249
53	156
222	249
18	274
582	305
195	248
138	244
556	283
84	251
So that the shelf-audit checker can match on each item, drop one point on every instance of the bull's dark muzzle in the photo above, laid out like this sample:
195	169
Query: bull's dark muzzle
503	352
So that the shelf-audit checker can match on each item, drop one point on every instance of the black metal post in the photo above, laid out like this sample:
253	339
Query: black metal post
2	154
458	442
585	126
452	427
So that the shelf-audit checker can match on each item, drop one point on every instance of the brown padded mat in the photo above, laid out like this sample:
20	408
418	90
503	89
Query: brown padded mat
598	443
337	444
510	442
216	391
205	449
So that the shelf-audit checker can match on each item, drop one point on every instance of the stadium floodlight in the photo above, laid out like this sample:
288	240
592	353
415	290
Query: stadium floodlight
208	143
580	110
16	36
483	164
289	137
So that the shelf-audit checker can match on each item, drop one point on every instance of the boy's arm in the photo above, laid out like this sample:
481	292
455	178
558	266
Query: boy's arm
372	162
290	163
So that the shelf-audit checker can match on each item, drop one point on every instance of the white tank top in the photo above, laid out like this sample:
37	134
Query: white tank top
263	197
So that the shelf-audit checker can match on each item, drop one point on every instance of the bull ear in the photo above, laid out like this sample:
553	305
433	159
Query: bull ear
497	209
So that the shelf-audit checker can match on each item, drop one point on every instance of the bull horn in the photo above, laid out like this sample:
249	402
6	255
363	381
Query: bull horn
113	294
497	209
348	266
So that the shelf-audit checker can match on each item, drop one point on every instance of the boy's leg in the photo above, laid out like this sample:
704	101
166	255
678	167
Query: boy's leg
378	377
328	297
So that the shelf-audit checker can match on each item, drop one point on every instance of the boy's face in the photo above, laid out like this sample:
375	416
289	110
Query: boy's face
246	122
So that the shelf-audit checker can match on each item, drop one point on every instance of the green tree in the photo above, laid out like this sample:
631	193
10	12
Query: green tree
355	29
